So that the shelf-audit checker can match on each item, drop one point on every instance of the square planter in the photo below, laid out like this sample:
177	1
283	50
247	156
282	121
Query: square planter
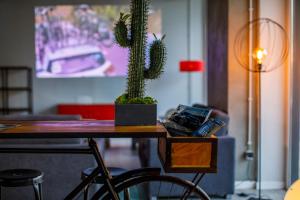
135	114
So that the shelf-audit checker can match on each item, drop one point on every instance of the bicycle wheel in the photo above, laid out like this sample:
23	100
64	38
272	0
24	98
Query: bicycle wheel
155	187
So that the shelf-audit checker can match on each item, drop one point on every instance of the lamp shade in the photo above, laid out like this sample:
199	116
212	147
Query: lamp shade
191	66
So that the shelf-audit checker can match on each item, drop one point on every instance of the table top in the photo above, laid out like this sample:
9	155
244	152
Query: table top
79	129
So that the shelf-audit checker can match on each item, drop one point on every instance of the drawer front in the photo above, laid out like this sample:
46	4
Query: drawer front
189	155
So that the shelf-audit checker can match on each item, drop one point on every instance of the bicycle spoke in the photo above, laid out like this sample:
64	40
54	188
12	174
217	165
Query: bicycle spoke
140	194
126	193
158	194
170	192
184	189
196	182
163	186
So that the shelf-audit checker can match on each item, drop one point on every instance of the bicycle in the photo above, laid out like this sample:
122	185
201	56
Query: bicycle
129	183
137	184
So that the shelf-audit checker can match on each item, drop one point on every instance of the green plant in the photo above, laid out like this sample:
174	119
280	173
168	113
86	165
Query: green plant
136	40
123	99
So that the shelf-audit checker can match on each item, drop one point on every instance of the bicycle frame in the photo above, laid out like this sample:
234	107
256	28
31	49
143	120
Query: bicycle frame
109	183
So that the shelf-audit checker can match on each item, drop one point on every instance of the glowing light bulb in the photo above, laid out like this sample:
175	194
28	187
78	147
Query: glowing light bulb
260	55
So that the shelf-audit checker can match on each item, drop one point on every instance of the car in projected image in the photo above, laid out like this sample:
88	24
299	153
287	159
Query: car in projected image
76	59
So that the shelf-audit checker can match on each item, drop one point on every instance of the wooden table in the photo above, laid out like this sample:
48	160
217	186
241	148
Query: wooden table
78	129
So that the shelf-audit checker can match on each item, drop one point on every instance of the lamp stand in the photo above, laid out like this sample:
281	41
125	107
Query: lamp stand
259	137
264	42
189	89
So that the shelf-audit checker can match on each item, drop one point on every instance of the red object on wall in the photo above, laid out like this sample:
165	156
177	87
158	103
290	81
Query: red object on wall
191	66
88	111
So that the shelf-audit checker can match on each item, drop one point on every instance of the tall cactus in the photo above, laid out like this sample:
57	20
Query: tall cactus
136	40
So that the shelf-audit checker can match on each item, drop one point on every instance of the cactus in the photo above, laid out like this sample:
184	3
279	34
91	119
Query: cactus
136	40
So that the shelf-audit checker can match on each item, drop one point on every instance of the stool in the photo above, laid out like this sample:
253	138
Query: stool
22	177
114	171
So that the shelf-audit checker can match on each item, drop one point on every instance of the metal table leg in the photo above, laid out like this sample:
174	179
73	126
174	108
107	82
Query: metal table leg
100	168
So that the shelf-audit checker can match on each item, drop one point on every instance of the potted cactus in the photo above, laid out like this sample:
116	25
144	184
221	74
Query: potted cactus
133	107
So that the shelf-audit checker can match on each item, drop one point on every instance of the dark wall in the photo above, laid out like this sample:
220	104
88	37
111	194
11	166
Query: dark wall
217	27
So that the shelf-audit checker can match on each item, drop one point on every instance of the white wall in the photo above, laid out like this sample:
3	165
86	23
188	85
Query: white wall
237	91
17	48
274	107
274	102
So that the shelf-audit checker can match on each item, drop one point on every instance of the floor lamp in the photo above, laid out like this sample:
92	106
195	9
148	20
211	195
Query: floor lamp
261	46
189	66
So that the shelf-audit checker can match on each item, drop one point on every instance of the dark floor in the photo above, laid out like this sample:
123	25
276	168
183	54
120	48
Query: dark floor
122	157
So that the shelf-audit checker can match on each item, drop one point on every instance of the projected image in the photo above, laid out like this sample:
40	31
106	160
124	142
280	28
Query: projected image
78	40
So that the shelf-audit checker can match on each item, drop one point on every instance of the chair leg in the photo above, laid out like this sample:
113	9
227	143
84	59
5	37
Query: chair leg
0	192
40	191
107	143
36	189
133	144
126	194
86	192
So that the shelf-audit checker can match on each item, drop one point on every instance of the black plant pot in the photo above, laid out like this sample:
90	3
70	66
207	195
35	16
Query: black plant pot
135	114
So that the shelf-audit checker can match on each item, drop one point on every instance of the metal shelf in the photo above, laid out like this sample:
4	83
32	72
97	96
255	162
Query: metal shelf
15	89
5	89
16	109
18	68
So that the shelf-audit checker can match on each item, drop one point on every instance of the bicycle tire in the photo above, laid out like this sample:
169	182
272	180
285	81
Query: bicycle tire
186	185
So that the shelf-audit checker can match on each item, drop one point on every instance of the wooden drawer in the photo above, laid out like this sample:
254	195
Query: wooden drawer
188	154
